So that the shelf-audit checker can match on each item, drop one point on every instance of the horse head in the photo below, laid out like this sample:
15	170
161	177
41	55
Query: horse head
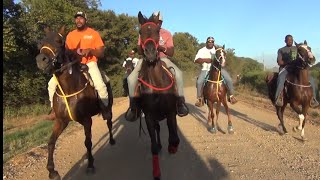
305	55
149	36
219	58
51	49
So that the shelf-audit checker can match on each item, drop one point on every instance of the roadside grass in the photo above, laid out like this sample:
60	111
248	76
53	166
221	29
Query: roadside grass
22	140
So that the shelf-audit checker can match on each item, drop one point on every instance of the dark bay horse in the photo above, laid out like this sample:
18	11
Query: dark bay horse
297	89
215	91
75	99
157	91
129	68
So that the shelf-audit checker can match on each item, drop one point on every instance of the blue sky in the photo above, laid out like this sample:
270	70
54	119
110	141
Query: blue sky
254	28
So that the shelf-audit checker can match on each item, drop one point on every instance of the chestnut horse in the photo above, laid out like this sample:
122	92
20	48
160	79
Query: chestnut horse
75	99
215	91
157	90
297	89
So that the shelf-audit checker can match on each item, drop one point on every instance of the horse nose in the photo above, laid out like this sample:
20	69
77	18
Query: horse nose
42	61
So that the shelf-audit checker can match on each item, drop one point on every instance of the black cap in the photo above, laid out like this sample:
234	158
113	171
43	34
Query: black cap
80	13
210	39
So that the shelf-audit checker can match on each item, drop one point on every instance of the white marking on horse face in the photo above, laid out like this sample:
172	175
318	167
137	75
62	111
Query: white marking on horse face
310	55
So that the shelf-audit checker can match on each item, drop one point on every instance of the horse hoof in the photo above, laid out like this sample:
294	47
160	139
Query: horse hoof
230	130
212	130
172	149
54	175
156	178
90	171
112	142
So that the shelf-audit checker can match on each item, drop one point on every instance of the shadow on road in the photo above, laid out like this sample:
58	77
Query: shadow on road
199	115
131	158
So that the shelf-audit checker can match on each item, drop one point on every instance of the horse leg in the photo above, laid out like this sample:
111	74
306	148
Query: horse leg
211	118
173	134
109	124
280	111
157	126
87	123
302	117
154	147
230	126
59	126
217	113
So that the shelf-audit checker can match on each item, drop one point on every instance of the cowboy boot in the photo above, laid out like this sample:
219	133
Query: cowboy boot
133	112
199	102
314	103
182	109
232	99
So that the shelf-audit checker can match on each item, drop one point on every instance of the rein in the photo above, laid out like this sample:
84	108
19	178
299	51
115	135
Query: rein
299	85
156	88
64	96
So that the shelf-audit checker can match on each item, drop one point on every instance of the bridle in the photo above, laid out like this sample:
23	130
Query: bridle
143	43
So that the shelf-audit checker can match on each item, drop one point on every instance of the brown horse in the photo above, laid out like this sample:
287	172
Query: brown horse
129	68
75	99
297	89
215	90
157	91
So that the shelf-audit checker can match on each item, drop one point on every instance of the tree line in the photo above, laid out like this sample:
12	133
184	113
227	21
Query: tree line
24	84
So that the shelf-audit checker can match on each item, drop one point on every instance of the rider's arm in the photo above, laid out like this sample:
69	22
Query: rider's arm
167	51
203	60
279	58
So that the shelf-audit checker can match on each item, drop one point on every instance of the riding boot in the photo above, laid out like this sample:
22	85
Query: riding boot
232	99
51	115
314	103
182	108
199	102
133	112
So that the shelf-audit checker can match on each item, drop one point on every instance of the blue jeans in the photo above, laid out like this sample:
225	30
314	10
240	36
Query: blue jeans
200	82
282	78
133	77
228	81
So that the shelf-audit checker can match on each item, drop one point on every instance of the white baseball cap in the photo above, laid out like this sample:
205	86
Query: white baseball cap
156	14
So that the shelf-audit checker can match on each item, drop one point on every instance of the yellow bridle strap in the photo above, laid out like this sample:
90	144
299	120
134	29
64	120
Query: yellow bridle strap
73	94
217	82
64	97
46	47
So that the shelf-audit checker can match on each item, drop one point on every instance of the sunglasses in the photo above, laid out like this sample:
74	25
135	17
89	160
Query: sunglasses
210	41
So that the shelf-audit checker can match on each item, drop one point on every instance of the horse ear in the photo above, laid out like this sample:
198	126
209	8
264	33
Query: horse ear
295	43
305	42
142	20
156	18
47	29
223	47
62	30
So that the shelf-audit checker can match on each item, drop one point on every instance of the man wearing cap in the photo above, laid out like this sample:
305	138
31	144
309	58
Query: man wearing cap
203	57
134	62
165	48
89	44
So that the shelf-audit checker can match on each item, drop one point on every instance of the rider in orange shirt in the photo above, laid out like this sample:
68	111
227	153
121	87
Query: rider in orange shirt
90	45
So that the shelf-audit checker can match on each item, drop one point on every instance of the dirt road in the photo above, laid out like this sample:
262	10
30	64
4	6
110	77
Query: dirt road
255	151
